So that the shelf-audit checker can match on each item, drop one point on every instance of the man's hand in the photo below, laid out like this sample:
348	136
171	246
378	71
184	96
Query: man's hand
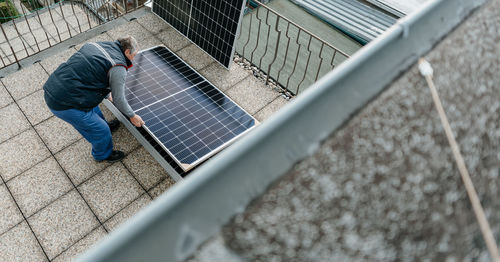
110	97
137	121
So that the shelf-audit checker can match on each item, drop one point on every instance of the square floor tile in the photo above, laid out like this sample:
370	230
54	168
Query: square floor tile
131	28
149	42
127	212
173	40
123	140
63	223
20	245
223	78
98	38
35	108
57	134
153	23
13	122
252	95
40	185
162	187
195	57
50	64
20	153
145	168
25	81
110	191
81	246
5	98
272	108
9	213
78	162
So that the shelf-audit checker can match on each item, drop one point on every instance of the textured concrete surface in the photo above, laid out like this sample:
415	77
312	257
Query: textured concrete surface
51	64
20	153
251	95
127	212
39	186
69	200
62	223
25	81
144	168
223	78
385	187
195	57
10	215
110	191
14	122
81	246
19	245
271	108
78	163
57	134
5	97
34	107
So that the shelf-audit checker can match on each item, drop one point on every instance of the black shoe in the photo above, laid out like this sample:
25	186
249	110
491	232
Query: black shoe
115	156
114	125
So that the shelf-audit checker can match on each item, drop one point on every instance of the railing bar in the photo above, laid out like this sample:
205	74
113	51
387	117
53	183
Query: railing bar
41	25
8	42
249	31
320	62
15	27
297	56
52	18
29	27
333	57
258	36
286	52
307	65
64	18
125	5
88	17
267	40
76	17
106	7
303	29
275	50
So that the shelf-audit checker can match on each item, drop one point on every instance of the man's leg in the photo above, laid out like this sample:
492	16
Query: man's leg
92	126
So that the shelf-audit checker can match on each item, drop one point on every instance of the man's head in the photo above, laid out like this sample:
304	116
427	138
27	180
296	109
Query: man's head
129	46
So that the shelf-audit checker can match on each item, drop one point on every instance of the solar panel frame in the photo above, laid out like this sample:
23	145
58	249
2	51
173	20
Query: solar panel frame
187	167
186	32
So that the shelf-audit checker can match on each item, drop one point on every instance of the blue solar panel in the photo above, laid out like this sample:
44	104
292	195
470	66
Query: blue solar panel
189	117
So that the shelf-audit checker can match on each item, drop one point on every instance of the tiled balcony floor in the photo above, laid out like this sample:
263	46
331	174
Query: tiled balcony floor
55	200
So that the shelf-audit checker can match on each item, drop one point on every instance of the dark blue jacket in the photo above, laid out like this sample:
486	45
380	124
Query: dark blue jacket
82	82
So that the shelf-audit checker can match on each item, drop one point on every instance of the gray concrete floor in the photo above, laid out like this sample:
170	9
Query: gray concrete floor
55	200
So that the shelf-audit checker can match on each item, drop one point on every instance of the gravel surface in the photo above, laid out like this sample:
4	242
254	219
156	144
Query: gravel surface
385	187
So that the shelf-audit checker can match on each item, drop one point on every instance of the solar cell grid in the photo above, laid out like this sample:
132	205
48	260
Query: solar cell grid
212	25
186	115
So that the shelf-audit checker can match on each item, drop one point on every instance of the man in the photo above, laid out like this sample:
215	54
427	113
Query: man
74	91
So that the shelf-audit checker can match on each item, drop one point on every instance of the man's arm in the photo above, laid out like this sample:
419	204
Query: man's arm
117	77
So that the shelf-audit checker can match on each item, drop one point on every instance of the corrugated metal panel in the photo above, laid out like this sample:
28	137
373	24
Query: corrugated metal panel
397	7
352	17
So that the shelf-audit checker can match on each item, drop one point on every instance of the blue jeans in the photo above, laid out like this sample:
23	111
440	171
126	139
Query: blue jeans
93	127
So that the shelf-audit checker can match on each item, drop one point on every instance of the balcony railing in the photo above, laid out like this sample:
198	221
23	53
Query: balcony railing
286	53
31	26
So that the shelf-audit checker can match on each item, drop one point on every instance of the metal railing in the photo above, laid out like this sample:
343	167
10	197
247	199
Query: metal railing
285	52
31	26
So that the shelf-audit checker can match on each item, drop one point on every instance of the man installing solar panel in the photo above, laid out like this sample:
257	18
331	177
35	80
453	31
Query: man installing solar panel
76	88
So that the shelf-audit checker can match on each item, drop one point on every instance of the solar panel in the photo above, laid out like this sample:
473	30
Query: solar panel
188	116
212	25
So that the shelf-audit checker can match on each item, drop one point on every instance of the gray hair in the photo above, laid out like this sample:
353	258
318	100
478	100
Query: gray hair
129	43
